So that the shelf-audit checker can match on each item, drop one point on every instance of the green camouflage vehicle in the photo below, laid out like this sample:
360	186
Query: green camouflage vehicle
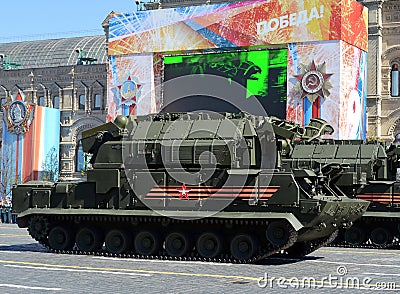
363	170
188	186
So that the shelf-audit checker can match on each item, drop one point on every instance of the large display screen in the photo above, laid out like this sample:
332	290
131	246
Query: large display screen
251	81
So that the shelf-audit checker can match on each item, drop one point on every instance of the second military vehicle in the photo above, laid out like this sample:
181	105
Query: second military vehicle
367	170
376	179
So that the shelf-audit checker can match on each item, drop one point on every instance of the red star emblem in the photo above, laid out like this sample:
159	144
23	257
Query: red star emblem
183	192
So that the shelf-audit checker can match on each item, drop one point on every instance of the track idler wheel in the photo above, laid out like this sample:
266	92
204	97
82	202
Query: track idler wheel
38	227
355	235
277	233
89	239
178	244
147	243
60	238
118	241
209	245
243	246
381	237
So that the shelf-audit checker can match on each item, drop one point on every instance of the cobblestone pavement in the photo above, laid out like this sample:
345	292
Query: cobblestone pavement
27	267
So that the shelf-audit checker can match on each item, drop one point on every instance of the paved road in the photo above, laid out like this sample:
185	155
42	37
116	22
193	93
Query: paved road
26	267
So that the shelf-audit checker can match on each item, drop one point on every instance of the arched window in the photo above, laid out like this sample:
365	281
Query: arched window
56	102
97	102
81	159
41	101
395	80
82	100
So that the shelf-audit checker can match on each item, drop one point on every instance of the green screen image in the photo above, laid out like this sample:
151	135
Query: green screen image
261	74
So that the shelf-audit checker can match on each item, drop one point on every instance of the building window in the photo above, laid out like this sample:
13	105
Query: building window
56	102
397	139
82	159
41	101
82	100
394	80
97	102
397	142
2	102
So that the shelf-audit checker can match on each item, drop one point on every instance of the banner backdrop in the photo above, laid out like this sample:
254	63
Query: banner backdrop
340	98
133	81
238	24
33	155
353	89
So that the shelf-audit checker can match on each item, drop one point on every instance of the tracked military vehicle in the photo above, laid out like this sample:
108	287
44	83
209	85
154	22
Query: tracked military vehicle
197	186
375	179
362	170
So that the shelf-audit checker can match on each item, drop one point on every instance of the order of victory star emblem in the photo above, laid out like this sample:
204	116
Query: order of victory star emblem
19	111
130	91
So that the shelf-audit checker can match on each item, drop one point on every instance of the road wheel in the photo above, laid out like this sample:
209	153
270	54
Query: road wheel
118	241
60	238
177	244
209	245
381	237
355	235
243	247
146	243
277	233
89	239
